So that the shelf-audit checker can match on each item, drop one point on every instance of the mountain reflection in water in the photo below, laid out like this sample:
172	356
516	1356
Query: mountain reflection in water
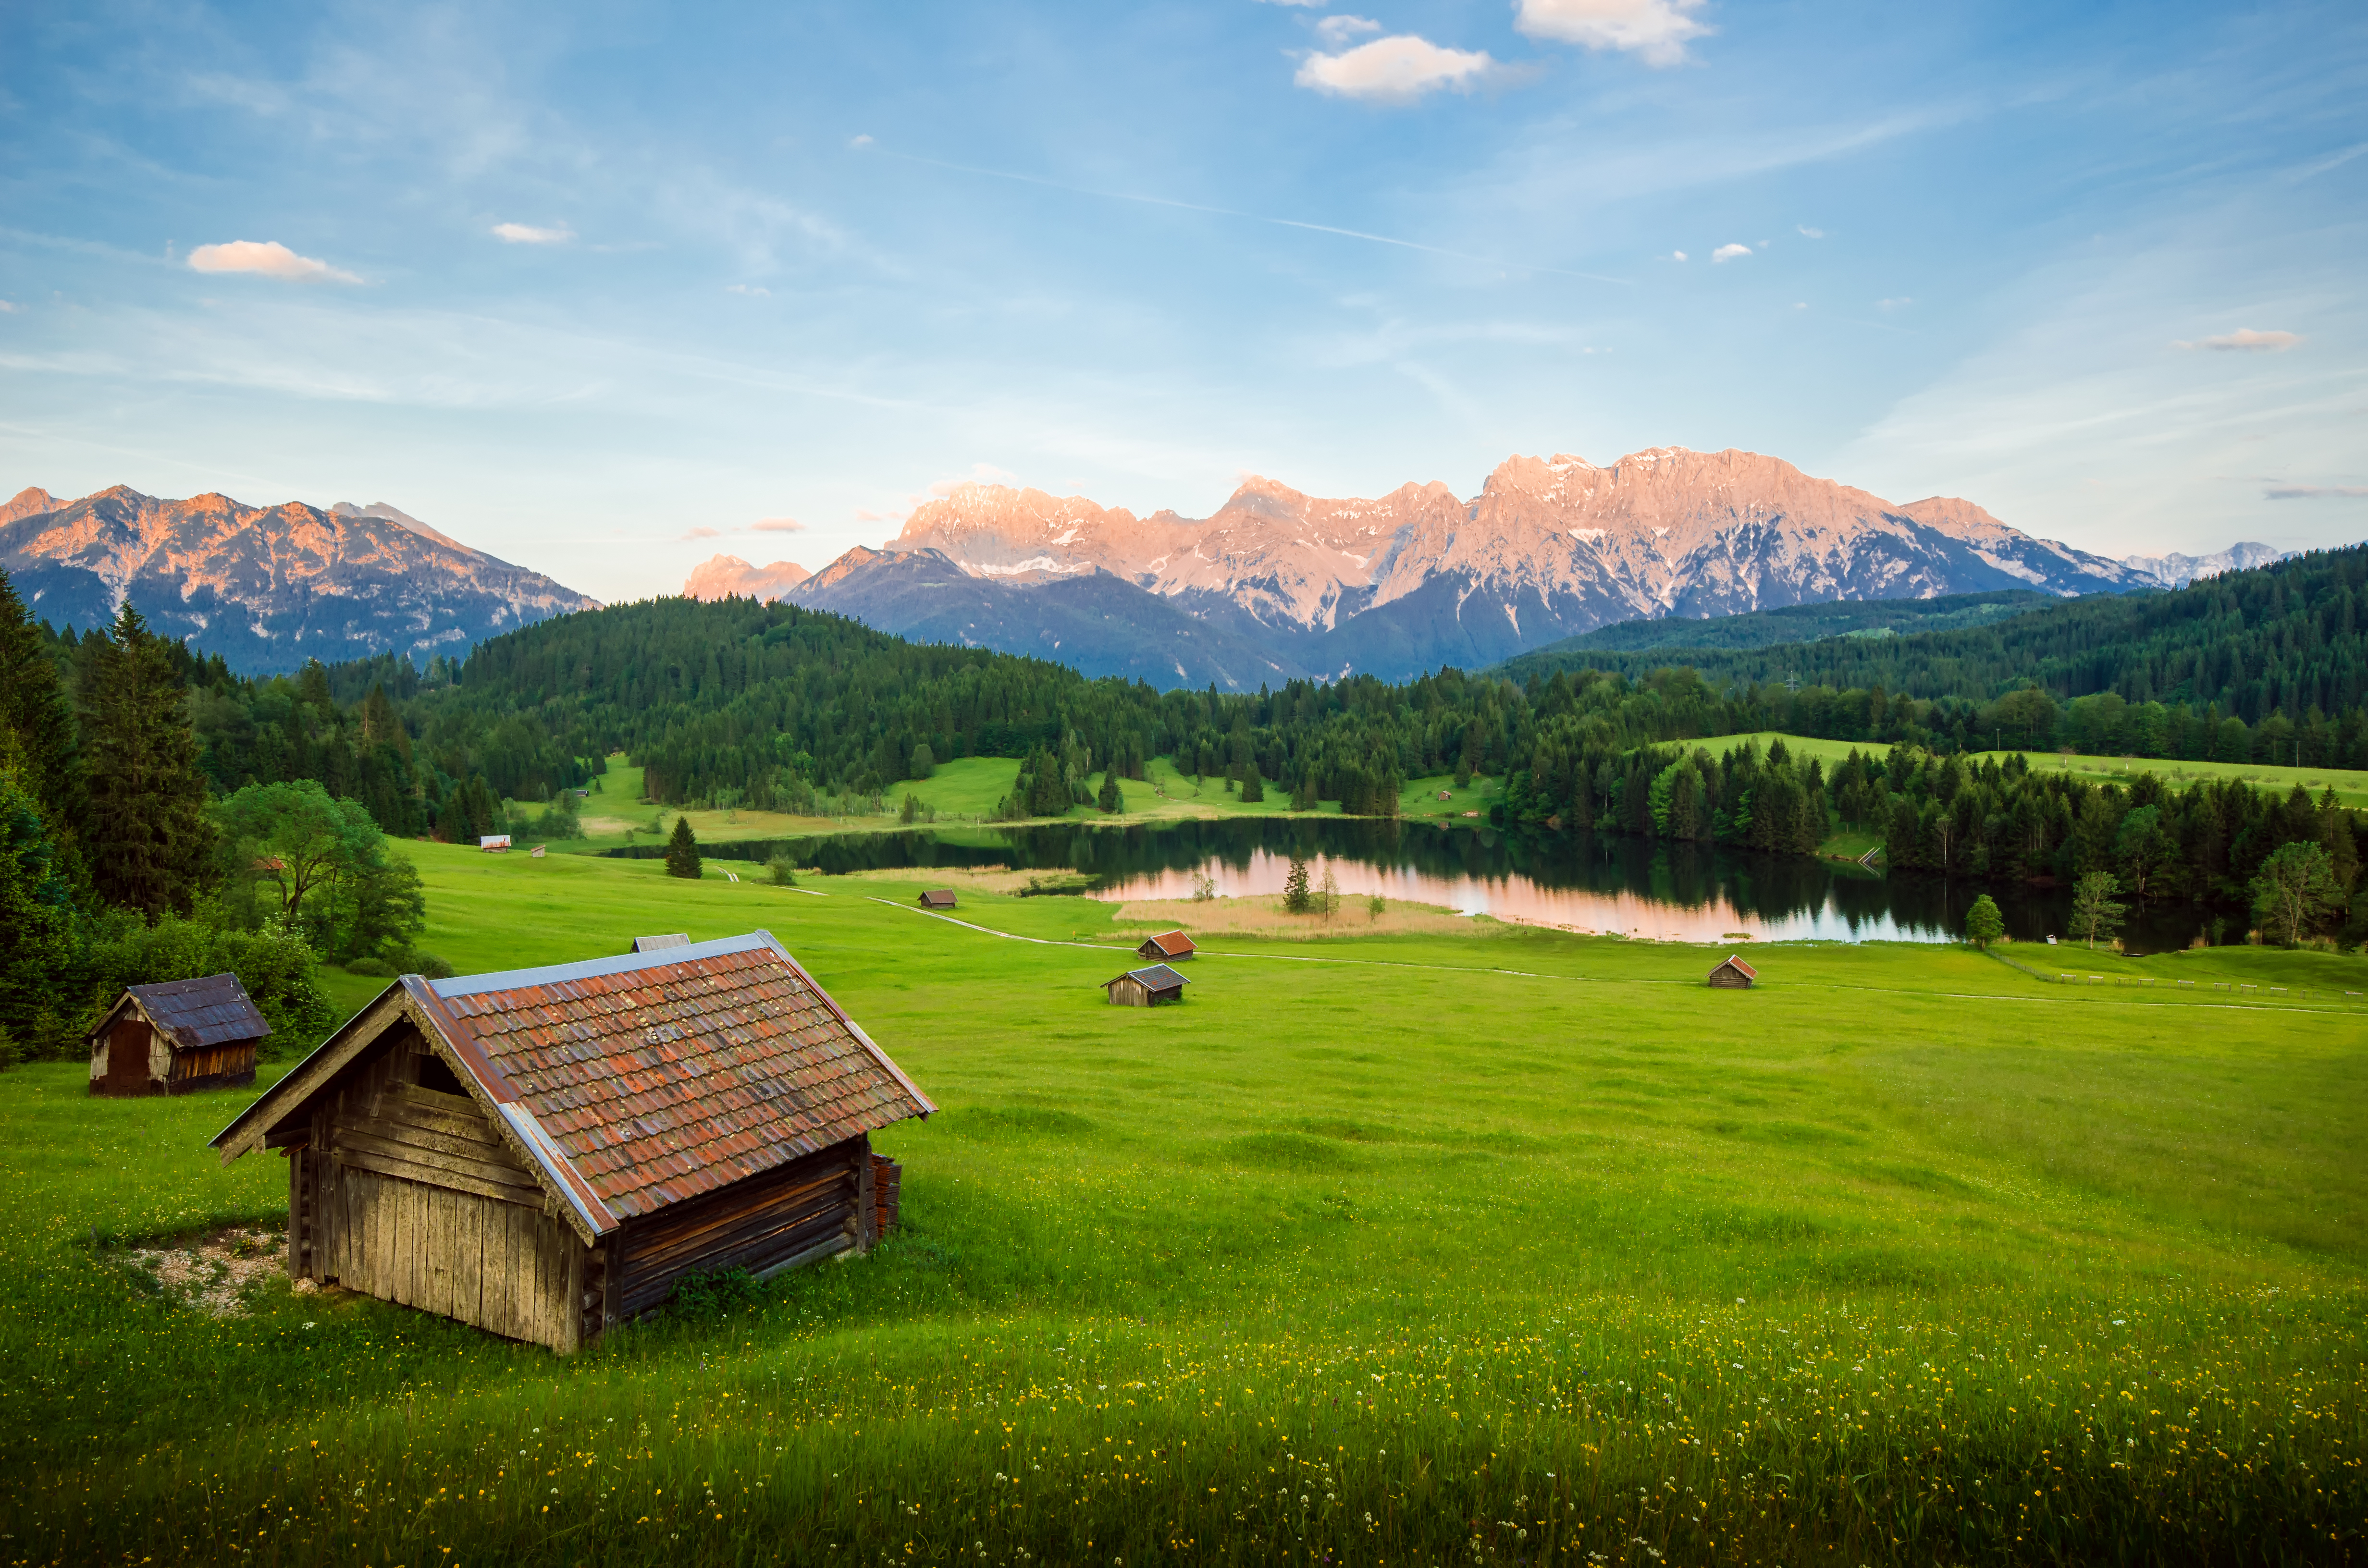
1576	881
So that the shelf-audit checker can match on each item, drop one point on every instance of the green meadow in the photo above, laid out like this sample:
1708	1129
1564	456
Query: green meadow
2350	787
1505	1246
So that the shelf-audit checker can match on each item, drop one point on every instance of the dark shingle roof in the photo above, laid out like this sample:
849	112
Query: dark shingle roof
1156	977
643	1080
210	1011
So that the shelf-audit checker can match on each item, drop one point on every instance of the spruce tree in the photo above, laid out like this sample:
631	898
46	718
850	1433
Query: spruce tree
1253	788
1110	800
144	830
1295	896
33	710
682	851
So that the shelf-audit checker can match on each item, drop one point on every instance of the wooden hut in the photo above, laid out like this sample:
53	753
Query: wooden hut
176	1038
1733	974
544	1152
494	843
1168	947
1146	987
659	944
938	898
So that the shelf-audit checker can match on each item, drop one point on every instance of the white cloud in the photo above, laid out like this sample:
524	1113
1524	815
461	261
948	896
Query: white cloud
1678	254
1658	29
9	308
1337	31
2245	339
269	258
863	140
776	526
1812	233
1892	304
1399	69
2313	492
704	533
528	234
1729	253
1312	2
753	290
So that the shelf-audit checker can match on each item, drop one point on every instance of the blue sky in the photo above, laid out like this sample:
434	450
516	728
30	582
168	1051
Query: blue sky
607	288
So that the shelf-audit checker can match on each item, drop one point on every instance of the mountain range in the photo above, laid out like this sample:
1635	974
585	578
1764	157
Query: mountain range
267	587
1277	584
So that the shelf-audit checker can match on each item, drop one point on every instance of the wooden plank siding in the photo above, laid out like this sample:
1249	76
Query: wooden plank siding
753	1224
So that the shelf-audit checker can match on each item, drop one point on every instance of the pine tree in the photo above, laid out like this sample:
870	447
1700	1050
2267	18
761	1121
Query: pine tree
145	829
1295	896
1253	786
33	710
1110	800
682	851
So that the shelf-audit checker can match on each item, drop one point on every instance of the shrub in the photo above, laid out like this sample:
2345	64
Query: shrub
370	968
782	872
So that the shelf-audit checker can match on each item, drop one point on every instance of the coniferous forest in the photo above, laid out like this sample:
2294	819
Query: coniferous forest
160	811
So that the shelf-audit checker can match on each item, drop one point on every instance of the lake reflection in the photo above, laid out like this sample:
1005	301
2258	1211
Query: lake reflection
1576	881
1675	899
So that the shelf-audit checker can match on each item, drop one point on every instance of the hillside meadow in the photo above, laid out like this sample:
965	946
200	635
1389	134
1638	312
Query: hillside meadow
1481	1244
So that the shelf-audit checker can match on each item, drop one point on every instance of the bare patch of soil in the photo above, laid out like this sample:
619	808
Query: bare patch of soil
212	1273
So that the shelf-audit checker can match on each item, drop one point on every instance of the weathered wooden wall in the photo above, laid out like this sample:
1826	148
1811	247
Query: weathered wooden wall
1128	992
409	1194
814	1205
211	1067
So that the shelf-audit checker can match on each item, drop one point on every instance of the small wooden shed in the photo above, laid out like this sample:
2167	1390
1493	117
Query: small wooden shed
495	842
544	1153
1146	987
659	944
176	1038
1168	947
1733	974
938	898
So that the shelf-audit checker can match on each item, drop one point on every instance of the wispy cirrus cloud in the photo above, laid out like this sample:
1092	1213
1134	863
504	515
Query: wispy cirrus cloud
2315	491
1337	31
1657	30
776	526
267	259
1395	70
528	234
753	290
2245	340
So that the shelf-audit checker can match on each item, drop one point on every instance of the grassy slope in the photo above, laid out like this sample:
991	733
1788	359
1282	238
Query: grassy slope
2350	787
1444	1214
967	790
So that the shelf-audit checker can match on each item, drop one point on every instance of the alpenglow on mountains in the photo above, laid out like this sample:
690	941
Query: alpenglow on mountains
267	587
1278	584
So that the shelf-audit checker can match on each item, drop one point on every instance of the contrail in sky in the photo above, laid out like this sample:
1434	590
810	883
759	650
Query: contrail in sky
1231	213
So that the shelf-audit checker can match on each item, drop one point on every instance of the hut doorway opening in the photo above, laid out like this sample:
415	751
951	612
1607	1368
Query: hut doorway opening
127	1057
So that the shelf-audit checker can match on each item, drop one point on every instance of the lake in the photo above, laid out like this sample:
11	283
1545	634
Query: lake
1577	881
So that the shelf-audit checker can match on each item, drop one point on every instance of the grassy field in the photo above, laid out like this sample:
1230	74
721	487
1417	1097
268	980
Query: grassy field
967	790
2351	786
1491	1245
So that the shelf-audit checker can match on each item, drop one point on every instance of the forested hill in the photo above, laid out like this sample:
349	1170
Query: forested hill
1806	623
2282	639
734	702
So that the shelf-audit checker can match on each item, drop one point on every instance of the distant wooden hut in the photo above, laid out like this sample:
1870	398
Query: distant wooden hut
1168	947
176	1038
1146	987
659	944
1733	974
938	898
495	842
544	1153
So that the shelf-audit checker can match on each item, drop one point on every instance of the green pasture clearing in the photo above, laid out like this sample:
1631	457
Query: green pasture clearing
2351	786
968	789
1507	1247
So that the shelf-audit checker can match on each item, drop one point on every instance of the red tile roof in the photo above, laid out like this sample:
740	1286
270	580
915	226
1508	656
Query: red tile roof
1171	944
1748	972
647	1079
